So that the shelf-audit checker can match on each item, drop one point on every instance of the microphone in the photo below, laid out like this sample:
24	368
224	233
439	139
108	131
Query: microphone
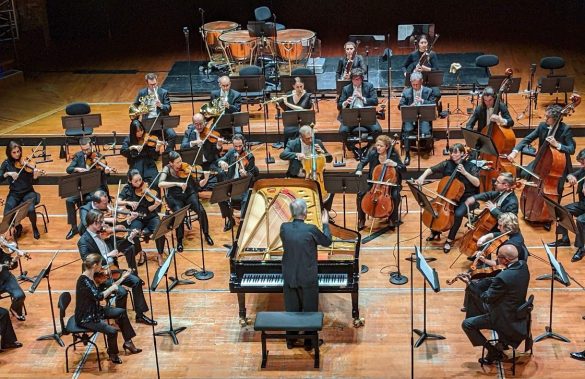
186	30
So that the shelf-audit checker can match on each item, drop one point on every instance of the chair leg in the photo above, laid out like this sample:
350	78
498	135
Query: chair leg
97	351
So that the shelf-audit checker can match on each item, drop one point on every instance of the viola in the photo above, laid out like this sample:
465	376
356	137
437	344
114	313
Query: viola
98	161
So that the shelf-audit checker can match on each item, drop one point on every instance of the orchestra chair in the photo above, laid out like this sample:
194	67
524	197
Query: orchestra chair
6	295
80	335
303	71
265	14
73	136
356	139
251	97
552	64
524	312
41	210
486	61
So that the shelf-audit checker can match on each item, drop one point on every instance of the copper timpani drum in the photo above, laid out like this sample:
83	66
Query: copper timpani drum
212	31
294	45
238	45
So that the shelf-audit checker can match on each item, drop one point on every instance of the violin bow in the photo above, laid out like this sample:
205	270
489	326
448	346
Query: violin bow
29	158
149	187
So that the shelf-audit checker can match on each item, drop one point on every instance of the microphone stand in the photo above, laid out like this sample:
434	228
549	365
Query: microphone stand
207	79
446	149
186	32
396	277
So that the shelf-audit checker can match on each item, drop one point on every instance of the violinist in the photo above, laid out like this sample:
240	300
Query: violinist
507	223
349	61
89	314
496	307
502	199
183	189
194	137
92	243
376	156
577	209
468	174
140	154
416	94
237	163
139	197
231	99
484	112
21	173
412	61
9	284
158	102
296	100
81	162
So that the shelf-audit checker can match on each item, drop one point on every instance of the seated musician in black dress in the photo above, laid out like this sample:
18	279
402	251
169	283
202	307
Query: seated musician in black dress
484	112
20	175
140	154
376	156
194	137
430	63
468	174
8	338
9	284
296	100
92	242
349	61
89	314
182	192
237	163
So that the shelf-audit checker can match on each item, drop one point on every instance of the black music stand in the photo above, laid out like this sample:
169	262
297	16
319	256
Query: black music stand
416	114
12	218
79	183
187	154
407	34
310	82
479	142
226	190
336	182
298	118
431	277
232	121
356	117
557	84
44	273
495	81
374	41
246	84
262	30
430	78
425	204
81	124
161	123
396	277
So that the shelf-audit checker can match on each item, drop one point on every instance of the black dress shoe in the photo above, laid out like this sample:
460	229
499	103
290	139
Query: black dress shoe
560	243
579	355
229	224
72	233
180	247
17	231
143	319
407	160
578	255
36	234
12	345
290	343
115	358
208	240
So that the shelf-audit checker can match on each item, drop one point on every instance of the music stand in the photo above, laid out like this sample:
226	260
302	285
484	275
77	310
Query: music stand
12	218
298	118
247	84
425	204
226	190
368	40
44	273
356	117
432	278
339	86
408	34
233	120
336	182
79	183
416	114
161	123
84	124
187	154
557	84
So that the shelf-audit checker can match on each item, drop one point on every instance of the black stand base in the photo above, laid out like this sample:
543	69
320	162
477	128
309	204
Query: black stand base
55	336
176	281
446	151
203	275
424	336
550	334
24	278
364	269
397	278
171	332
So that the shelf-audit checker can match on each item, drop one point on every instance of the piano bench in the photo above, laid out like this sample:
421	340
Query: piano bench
289	322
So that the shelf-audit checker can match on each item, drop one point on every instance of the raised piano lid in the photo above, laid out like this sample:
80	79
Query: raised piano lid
258	236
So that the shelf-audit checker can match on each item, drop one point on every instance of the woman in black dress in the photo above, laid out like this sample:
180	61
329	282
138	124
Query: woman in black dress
141	156
296	100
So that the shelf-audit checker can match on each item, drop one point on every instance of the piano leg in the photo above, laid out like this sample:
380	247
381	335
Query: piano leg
355	311
242	305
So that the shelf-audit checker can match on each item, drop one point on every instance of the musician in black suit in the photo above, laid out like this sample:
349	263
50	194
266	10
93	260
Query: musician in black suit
484	112
376	156
296	100
9	284
507	223
416	94
343	70
79	163
502	199
210	150
139	154
231	100
505	294
412	61
577	209
299	261
91	242
7	336
159	103
358	94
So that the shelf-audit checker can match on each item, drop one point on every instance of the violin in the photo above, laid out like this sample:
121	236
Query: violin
98	161
11	246
478	273
378	202
28	166
107	272
151	140
145	192
187	170
211	135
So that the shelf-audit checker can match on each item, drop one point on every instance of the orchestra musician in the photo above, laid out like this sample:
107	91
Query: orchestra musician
193	137
484	112
507	223
89	314
92	243
159	103
468	174
299	262
376	156
577	209
497	306
142	154
231	99
9	284
412	61
81	162
20	174
416	94
502	199
296	100
358	94
183	189
237	163
349	61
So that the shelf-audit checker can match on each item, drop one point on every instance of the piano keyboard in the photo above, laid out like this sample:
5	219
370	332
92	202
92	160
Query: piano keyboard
275	280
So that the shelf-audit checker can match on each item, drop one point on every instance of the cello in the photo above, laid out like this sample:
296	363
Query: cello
377	202
504	141
549	168
314	165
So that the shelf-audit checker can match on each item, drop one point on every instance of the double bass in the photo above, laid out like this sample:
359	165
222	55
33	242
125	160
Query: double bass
549	168
504	141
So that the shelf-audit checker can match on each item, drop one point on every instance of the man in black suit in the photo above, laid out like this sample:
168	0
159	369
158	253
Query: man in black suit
92	243
502	199
299	261
484	112
231	100
79	164
193	138
159	103
501	300
416	94
358	94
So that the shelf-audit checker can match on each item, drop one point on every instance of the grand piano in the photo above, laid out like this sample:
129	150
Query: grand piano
256	256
